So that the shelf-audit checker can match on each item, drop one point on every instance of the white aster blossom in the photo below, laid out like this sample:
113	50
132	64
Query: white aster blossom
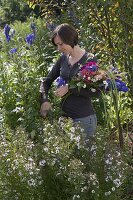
93	89
76	197
72	129
31	182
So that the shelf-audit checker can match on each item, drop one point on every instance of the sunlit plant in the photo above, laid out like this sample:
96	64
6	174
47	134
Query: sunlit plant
61	164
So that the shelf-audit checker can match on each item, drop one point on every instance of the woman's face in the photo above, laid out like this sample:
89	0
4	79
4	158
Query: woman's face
62	47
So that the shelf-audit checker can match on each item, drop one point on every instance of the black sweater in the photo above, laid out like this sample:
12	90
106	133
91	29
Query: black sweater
75	104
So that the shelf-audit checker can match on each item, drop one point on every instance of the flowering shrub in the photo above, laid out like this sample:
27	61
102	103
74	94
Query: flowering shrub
20	173
22	64
60	164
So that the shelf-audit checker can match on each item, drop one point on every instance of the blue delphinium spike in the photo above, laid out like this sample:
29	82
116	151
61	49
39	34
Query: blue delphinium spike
30	38
6	32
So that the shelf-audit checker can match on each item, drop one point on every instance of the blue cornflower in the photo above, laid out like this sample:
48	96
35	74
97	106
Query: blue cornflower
13	50
6	32
120	85
30	38
93	68
60	82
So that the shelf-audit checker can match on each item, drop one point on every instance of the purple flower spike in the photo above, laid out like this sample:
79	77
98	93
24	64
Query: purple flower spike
7	29
30	39
8	38
6	32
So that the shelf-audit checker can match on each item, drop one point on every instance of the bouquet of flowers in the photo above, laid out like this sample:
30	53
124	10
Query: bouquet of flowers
89	75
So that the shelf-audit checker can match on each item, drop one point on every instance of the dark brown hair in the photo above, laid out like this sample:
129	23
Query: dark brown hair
67	33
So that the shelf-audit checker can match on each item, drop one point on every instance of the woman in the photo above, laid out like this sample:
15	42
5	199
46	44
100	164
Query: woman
75	104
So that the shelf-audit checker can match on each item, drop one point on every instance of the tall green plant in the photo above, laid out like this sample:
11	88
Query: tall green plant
21	72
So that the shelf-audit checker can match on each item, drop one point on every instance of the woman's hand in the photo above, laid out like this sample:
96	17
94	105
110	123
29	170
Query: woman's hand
61	91
45	108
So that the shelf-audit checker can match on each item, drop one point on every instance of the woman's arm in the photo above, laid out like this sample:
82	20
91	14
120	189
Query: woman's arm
45	86
46	82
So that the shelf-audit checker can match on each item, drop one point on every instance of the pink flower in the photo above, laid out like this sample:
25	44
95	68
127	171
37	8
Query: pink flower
88	70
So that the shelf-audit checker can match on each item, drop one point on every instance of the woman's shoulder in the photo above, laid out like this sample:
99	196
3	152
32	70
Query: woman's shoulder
62	58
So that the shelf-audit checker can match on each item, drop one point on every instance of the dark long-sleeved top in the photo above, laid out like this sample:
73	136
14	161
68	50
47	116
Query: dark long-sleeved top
76	103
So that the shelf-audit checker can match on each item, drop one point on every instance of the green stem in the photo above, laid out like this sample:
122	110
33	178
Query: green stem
115	101
106	112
